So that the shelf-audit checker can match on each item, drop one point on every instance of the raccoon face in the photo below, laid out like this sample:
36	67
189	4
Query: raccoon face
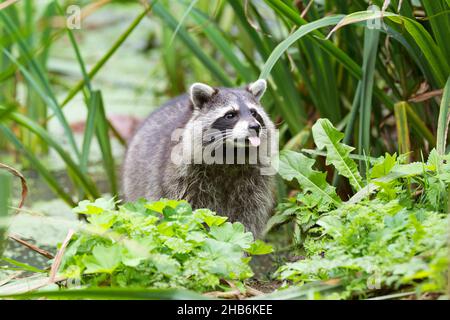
231	116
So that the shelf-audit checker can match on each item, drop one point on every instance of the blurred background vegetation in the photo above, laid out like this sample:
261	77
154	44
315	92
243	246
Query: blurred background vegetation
71	97
65	91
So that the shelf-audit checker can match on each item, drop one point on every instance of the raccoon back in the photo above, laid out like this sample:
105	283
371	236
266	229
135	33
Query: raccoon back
149	150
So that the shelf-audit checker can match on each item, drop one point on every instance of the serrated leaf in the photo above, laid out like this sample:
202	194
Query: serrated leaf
385	166
296	165
434	160
399	171
327	136
332	225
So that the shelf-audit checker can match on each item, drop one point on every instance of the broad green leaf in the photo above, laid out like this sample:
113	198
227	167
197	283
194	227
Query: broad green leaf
296	165
209	217
233	233
165	264
103	259
94	207
159	206
259	247
326	136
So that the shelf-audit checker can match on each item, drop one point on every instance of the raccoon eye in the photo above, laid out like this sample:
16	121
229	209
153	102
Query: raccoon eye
230	115
253	113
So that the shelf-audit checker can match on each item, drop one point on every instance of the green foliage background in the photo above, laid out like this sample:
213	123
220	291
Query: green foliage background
339	75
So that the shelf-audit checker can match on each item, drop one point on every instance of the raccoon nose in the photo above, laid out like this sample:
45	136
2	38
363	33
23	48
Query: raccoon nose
255	126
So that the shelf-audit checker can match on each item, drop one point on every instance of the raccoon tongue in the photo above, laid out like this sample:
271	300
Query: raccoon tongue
254	141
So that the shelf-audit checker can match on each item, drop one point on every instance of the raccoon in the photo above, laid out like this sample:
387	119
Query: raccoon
210	147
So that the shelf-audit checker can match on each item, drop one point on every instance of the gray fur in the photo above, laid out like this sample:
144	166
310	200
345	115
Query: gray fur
237	191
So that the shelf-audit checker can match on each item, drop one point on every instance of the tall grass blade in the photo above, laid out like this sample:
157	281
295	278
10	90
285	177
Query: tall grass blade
196	49
440	22
301	32
444	118
89	131
431	51
102	131
371	38
419	125
83	178
183	19
50	102
117	44
222	44
401	120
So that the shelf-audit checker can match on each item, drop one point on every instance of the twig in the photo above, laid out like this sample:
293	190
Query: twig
10	277
7	3
22	179
426	96
235	294
394	296
253	292
251	22
59	255
25	285
305	11
31	246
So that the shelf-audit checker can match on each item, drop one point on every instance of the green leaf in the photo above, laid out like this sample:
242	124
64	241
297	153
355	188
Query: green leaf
98	206
233	233
209	217
296	165
103	259
158	206
383	167
326	136
259	247
399	171
165	264
332	225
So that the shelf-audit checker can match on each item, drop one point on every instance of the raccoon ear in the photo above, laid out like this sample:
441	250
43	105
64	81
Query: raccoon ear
258	88
201	93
